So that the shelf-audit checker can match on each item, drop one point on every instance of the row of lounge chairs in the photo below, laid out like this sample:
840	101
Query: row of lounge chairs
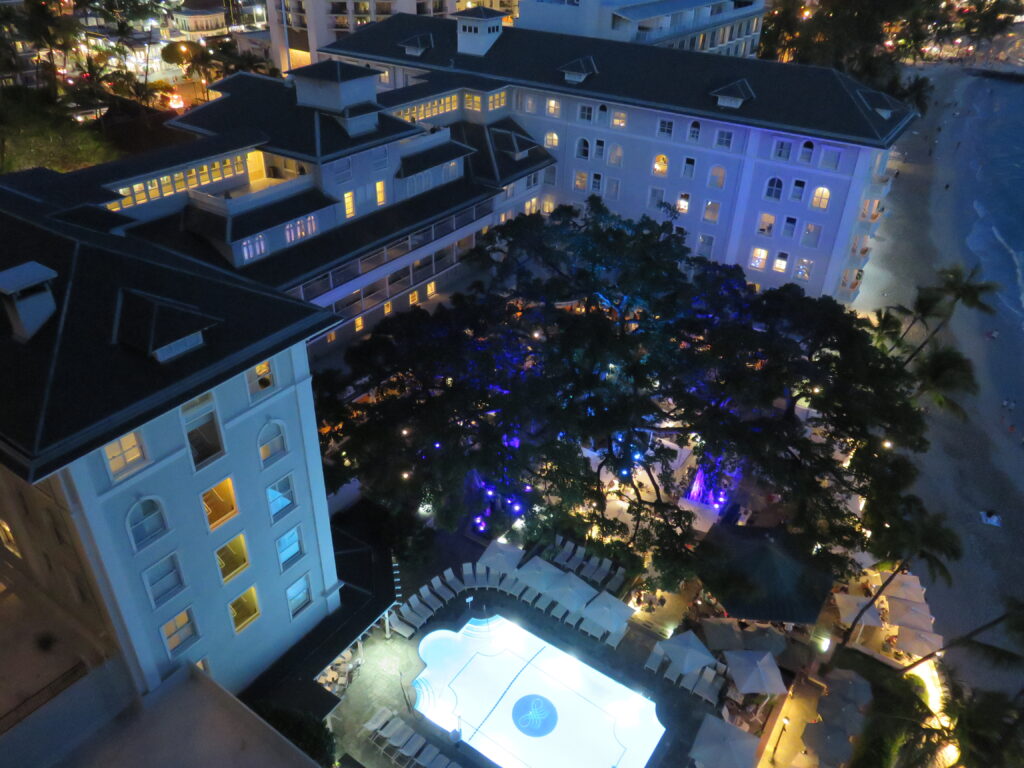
706	682
573	557
397	741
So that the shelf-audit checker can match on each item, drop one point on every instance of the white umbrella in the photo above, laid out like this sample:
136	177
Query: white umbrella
538	574
501	557
755	672
905	613
918	643
687	652
571	592
608	612
849	605
722	745
764	639
905	586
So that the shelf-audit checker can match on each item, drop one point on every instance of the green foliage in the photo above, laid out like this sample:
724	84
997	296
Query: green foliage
302	729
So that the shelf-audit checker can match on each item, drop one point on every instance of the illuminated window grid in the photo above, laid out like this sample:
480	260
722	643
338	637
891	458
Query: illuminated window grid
171	184
350	205
432	108
496	100
381	195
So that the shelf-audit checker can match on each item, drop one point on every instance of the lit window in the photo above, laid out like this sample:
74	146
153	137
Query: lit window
765	224
615	155
547	206
660	166
683	203
693	134
532	205
280	497
299	596
665	128
806	151
583	149
812	234
803	269
723	139
204	665
350	205
260	379
233	558
414	298
332	337
431	288
797	193
705	245
289	548
358	325
773	190
781	260
580	182
202	430
554	107
300	228
180	632
716	179
387	307
551	140
245	609
618	119
146	523
758	258
789	227
163	580
219	503
496	100
820	198
711	210
124	454
272	443
381	199
7	539
253	247
385	76
830	159
655	197
783	150
586	113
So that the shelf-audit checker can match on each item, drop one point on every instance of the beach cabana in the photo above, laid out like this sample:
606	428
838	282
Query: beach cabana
850	605
722	745
687	652
721	634
755	672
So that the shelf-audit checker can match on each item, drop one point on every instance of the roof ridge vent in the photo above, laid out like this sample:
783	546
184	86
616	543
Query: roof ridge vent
27	298
578	70
417	45
733	95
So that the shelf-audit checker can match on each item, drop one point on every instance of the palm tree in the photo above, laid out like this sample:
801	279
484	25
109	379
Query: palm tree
912	533
927	305
941	372
886	328
958	287
1012	618
200	64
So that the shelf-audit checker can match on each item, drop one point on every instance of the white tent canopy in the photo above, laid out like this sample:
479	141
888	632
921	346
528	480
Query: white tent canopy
905	613
570	591
849	605
918	643
905	586
501	557
722	745
608	612
755	672
538	574
687	652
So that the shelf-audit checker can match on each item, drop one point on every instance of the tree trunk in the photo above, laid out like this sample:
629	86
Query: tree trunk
878	593
956	641
928	338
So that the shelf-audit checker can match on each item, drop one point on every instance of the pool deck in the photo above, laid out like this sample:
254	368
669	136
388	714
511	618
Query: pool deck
390	666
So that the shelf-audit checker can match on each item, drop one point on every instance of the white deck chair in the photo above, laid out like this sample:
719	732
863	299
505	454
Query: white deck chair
494	578
420	607
573	619
512	586
426	755
410	616
616	581
430	599
441	590
576	560
563	557
673	673
614	638
690	680
400	626
469	576
559	611
382	735
602	571
440	762
588	570
453	581
593	629
529	595
397	740
411	747
544	603
655	660
379	719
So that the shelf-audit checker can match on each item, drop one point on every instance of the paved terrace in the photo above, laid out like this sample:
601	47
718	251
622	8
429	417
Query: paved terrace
390	665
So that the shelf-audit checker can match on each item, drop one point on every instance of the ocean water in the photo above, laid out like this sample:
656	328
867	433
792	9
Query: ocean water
994	143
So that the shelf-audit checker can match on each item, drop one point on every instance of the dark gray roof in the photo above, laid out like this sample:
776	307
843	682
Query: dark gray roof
333	71
433	84
429	158
278	212
85	378
814	101
268	105
504	151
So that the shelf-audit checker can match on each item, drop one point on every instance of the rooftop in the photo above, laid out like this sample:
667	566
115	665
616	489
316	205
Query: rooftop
813	101
333	71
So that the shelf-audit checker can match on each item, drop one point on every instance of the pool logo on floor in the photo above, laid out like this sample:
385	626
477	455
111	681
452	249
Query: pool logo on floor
534	715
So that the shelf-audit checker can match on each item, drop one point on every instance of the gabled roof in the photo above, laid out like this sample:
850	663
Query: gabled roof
430	158
88	374
812	101
333	71
739	89
504	151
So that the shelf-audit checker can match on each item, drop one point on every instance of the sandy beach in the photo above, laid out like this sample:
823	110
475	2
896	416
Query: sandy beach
977	464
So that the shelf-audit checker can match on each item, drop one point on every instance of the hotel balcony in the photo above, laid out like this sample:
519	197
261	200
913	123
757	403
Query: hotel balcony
879	188
868	224
248	194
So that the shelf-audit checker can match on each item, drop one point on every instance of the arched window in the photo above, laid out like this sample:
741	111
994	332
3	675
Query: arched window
806	151
694	132
583	149
660	167
272	443
602	114
821	197
146	523
716	179
551	140
774	189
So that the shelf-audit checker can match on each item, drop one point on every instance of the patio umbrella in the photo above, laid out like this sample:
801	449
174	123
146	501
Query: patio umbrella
905	613
571	591
754	672
918	643
722	745
849	605
829	741
501	557
608	612
764	639
538	574
847	685
905	586
687	652
722	634
841	712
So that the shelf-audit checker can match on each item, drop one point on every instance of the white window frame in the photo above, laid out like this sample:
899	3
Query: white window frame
173	653
206	409
308	592
277	456
284	565
136	546
130	468
253	379
165	597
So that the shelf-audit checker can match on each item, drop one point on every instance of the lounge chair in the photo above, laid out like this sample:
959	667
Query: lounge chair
529	595
602	571
573	619
441	590
411	747
616	581
563	557
420	607
397	740
576	560
590	568
379	720
655	660
400	626
558	612
593	629
410	616
672	674
441	762
381	735
469	576
426	755
512	586
544	603
690	680
430	599
453	581
614	638
494	579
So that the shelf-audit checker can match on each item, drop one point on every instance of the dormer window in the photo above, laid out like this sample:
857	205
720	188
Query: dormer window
733	95
179	347
578	70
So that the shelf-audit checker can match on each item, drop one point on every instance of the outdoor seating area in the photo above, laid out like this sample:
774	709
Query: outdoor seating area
399	742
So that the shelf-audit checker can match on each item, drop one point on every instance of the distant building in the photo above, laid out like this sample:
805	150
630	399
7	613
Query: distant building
729	27
196	19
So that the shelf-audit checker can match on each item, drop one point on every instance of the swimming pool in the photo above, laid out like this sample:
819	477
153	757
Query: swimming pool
524	703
